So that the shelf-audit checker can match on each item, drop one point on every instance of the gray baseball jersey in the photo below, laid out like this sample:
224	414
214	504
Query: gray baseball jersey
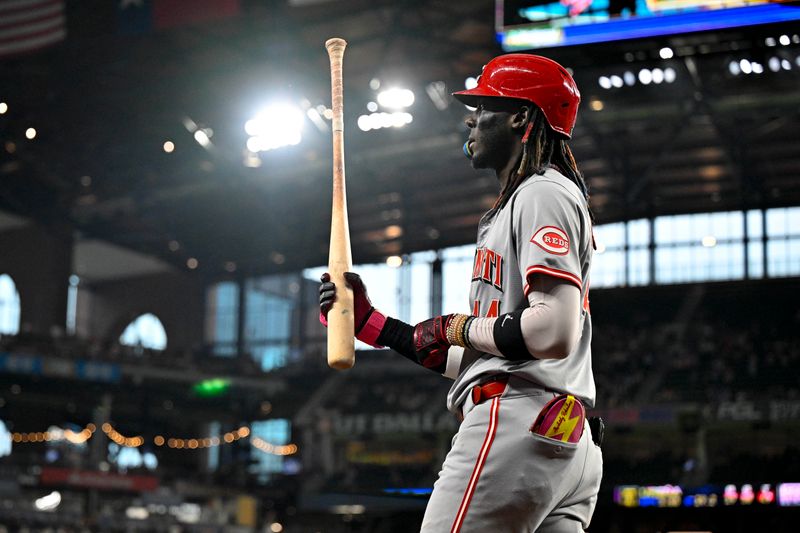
499	475
545	228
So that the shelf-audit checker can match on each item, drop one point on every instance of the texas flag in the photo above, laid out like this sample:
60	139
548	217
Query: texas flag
28	25
144	16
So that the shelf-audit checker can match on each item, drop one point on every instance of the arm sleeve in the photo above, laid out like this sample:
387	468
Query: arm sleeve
550	326
547	227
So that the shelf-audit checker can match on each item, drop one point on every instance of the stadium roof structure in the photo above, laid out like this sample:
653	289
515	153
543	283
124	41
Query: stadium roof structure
722	135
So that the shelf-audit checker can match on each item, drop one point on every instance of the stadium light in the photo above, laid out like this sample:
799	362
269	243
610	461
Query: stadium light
784	40
49	502
30	133
629	78
666	53
657	75
645	76
394	261
169	147
605	82
3	108
470	83
396	98
616	81
376	121
275	126
745	66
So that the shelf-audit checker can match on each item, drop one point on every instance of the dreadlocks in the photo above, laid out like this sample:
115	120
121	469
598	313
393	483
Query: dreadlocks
541	149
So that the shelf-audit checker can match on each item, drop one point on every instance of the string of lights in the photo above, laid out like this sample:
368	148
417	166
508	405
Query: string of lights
55	435
120	439
80	437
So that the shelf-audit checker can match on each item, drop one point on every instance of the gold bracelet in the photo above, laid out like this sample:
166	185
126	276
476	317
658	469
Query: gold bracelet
450	333
454	338
455	330
460	331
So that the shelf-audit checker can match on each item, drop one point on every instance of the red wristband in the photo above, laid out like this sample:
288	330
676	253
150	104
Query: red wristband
372	328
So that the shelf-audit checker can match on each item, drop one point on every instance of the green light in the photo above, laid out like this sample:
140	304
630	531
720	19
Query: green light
208	388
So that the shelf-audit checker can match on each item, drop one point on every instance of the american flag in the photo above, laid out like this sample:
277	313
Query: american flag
27	25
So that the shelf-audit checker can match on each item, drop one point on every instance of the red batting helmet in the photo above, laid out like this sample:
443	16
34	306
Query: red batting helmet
532	78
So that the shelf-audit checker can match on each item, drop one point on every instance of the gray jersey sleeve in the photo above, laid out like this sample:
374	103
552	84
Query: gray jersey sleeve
547	228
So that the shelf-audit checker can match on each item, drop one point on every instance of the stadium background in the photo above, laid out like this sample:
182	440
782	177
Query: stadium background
161	363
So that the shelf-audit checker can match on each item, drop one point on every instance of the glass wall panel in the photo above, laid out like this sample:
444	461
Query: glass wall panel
457	265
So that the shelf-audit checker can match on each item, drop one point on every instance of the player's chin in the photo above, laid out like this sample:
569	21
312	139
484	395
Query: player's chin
477	160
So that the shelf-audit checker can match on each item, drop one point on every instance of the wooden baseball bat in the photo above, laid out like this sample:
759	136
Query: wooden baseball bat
341	344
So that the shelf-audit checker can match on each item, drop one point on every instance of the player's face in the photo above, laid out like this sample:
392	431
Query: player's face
491	137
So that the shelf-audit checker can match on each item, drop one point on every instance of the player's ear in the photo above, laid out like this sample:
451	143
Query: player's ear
521	118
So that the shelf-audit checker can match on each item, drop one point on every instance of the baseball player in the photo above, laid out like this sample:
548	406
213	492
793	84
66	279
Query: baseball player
523	459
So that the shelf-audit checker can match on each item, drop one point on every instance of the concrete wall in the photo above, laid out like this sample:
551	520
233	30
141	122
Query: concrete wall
39	261
177	299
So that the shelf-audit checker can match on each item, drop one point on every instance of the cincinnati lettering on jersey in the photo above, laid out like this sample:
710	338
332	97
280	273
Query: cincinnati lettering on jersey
552	240
488	268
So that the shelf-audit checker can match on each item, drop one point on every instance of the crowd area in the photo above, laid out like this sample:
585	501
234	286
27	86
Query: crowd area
726	345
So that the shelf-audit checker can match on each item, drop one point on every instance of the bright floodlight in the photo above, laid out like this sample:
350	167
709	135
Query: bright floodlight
396	98
784	40
629	78
30	133
376	121
658	75
394	261
364	123
670	74
645	76
666	53
470	83
616	81
3	108
202	138
774	64
274	127
49	502
604	82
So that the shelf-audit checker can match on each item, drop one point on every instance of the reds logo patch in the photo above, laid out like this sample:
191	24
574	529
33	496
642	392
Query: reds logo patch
552	240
